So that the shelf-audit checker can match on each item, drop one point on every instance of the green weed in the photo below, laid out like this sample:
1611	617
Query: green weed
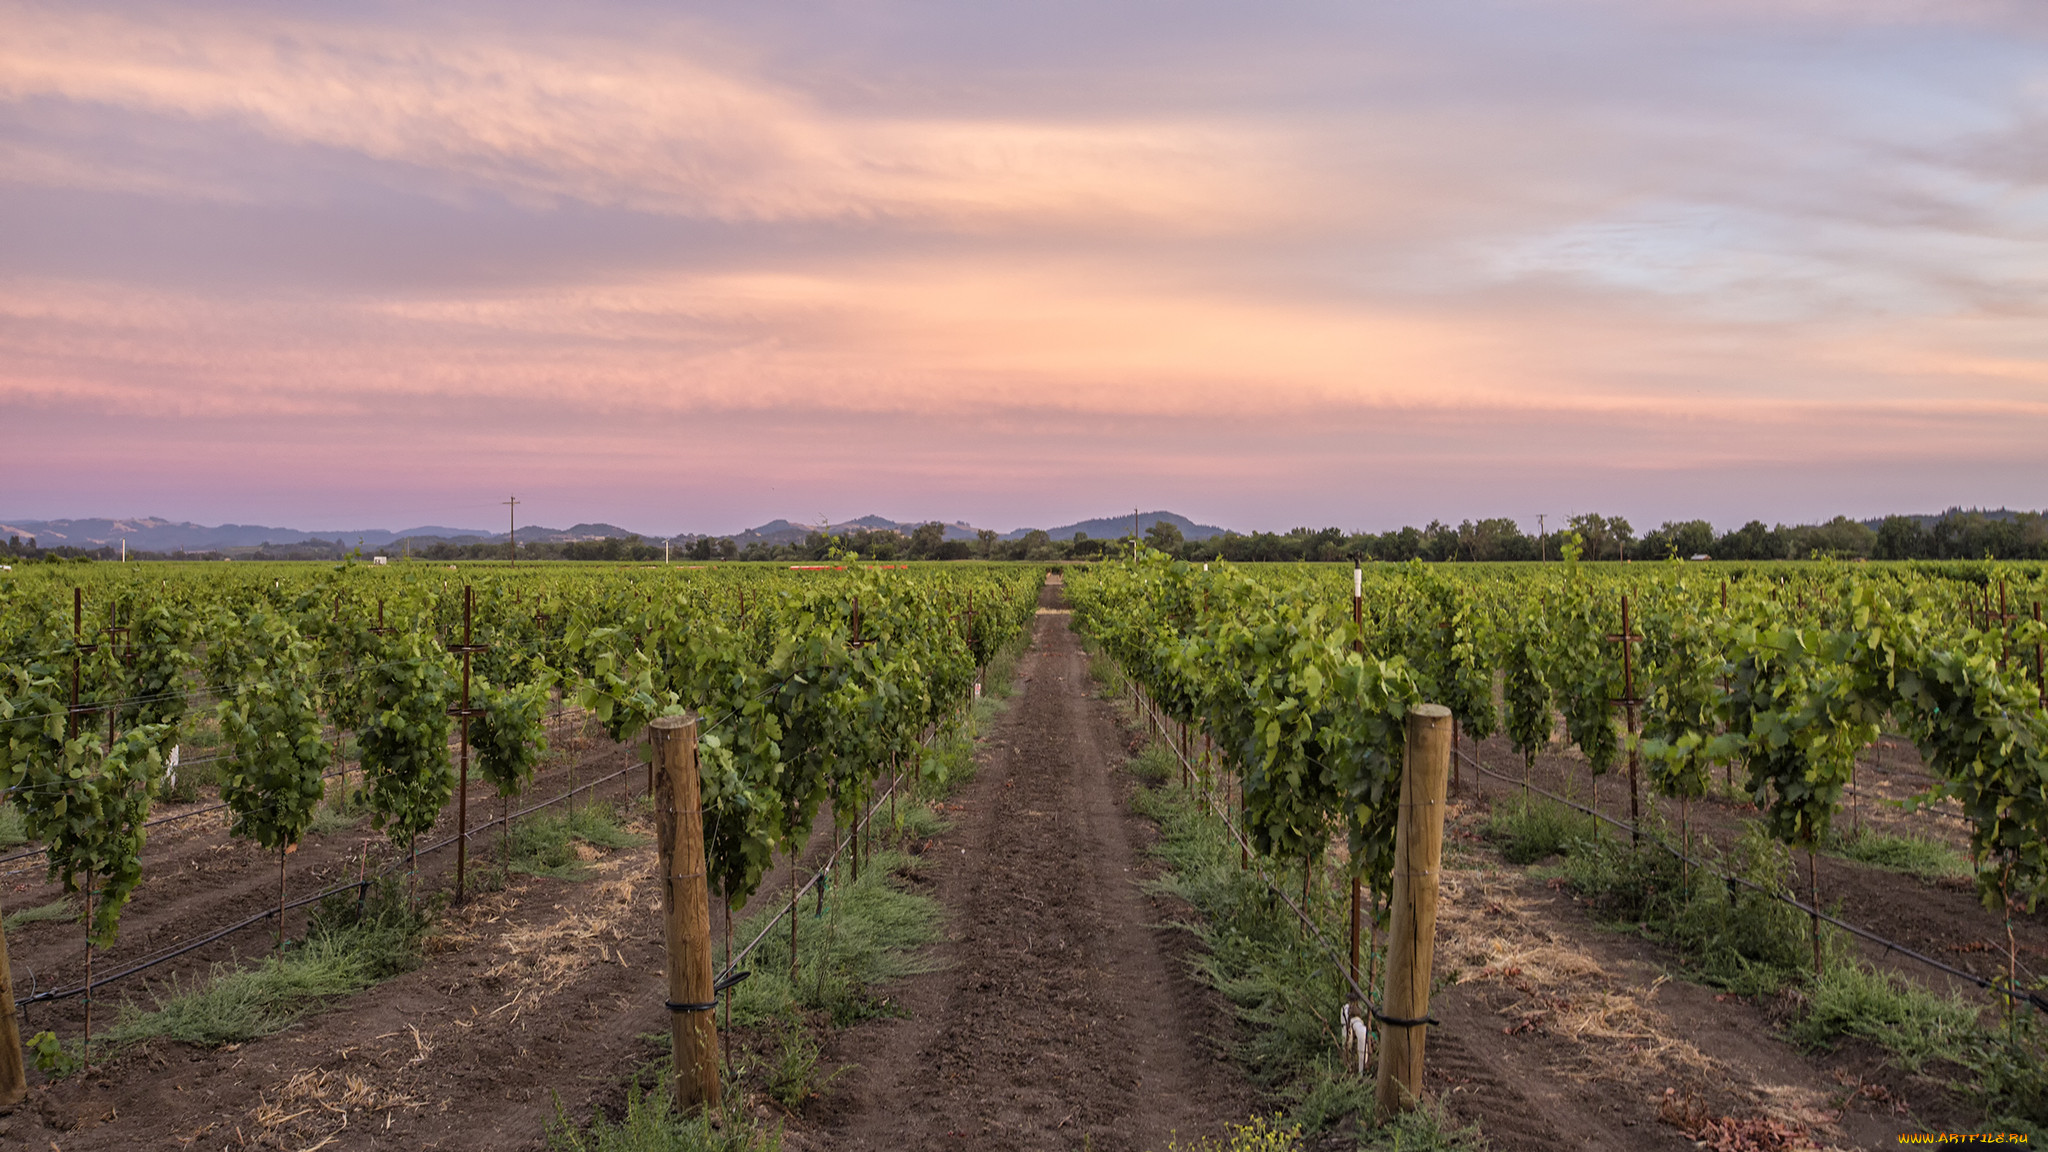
1426	1129
54	910
13	827
1254	952
1927	859
868	935
2009	1071
348	947
651	1125
1155	765
52	1057
342	810
1912	1023
2006	1068
1529	828
1729	934
545	843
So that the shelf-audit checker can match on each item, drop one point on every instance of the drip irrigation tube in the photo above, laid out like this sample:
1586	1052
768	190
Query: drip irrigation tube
1343	969
729	976
356	885
29	853
2038	1000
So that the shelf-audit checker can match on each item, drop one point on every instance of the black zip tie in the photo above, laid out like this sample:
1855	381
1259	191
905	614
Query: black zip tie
1401	1022
707	1006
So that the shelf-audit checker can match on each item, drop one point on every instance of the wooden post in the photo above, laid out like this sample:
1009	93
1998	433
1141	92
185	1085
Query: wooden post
13	1075
1411	939
686	912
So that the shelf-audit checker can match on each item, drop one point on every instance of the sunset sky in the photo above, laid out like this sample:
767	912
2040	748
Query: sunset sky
690	267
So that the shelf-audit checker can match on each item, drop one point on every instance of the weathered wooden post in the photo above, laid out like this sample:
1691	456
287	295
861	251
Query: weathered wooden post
1411	938
686	908
13	1075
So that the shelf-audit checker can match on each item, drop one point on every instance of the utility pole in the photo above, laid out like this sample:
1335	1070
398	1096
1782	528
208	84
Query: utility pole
1134	533
512	522
1541	537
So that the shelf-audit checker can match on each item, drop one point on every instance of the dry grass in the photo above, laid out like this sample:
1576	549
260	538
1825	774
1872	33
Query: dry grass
317	1107
1494	929
539	959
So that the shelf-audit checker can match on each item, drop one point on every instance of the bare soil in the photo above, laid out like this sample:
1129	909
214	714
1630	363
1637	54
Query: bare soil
1062	1014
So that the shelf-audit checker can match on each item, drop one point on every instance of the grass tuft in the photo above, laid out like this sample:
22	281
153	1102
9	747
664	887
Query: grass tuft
546	843
347	949
1914	1024
651	1125
1530	828
54	910
867	936
1927	859
13	826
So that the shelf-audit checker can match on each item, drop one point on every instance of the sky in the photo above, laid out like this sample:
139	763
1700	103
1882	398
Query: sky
691	267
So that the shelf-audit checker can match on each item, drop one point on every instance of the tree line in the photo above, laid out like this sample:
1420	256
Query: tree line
1955	535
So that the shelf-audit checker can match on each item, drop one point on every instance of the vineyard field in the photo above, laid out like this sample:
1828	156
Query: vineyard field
1036	858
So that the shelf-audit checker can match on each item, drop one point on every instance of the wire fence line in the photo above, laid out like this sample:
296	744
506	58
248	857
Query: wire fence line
361	884
2037	999
785	908
561	720
154	960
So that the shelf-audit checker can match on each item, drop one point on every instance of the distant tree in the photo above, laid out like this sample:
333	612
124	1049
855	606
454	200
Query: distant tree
1681	538
925	540
1900	538
1397	545
1752	541
1439	541
1164	536
1603	537
985	539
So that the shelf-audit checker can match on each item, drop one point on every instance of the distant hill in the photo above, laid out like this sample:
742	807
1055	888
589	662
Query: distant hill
150	534
790	532
1108	527
1115	527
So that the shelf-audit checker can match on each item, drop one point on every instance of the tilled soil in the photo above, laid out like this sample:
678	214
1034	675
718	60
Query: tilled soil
1062	1014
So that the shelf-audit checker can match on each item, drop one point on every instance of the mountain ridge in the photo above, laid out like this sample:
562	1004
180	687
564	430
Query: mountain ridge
156	534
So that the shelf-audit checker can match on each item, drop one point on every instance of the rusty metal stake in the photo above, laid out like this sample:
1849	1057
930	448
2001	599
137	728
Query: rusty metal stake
463	712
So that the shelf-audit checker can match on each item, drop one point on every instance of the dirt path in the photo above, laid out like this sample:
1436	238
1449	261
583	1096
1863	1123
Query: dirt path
1062	1015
